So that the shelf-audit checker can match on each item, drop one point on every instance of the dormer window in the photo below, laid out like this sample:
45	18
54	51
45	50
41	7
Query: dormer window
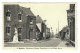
20	17
8	15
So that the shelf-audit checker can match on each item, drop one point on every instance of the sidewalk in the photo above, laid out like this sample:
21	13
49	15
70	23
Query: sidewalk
63	44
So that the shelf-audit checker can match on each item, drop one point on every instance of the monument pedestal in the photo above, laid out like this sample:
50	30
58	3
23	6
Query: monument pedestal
15	39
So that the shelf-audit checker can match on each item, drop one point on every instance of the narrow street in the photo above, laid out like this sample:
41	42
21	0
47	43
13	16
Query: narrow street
53	42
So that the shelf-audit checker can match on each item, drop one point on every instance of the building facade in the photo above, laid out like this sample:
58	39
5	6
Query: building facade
47	32
21	18
42	27
64	33
71	22
38	36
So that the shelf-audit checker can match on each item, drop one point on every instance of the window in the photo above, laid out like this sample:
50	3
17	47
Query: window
8	15
19	31
8	30
31	26
31	21
20	17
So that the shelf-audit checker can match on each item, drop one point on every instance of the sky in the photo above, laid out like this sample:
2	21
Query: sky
52	12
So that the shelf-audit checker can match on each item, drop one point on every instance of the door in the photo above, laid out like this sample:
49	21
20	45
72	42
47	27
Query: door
19	34
31	34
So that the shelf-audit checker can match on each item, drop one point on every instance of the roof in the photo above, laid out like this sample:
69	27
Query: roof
65	29
37	28
38	19
27	11
11	4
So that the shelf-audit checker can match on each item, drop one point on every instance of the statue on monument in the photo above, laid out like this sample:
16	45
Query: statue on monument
15	38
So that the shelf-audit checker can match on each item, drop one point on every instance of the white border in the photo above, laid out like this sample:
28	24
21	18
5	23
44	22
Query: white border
42	51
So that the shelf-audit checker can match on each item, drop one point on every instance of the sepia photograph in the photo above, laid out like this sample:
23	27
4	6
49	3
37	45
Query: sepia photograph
47	25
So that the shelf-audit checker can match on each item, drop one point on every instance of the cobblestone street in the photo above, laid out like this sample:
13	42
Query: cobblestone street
54	42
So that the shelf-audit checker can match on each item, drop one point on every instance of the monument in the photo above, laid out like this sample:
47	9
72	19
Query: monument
15	38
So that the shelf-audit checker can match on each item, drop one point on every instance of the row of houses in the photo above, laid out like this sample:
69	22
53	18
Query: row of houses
68	32
29	26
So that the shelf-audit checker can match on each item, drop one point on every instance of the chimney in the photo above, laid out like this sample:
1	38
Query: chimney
72	6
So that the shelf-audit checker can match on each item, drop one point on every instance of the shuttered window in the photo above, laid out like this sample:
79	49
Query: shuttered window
7	29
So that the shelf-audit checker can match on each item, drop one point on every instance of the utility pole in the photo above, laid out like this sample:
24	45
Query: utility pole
56	31
51	32
58	27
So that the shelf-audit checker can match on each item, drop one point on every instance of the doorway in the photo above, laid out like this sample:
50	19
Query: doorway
31	34
19	33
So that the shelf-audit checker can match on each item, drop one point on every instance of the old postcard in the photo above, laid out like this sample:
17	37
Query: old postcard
39	25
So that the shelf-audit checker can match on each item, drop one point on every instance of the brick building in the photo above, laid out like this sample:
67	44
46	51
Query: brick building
42	27
23	19
63	33
71	22
47	32
38	35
